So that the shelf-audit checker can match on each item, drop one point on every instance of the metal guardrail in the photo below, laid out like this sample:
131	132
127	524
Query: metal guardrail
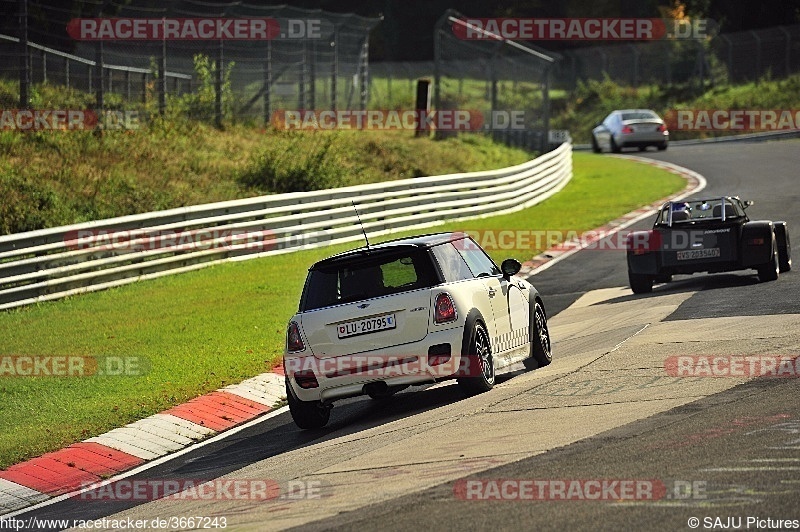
89	62
53	263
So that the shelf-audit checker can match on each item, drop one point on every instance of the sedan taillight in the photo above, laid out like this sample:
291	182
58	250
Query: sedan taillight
661	128
294	342
627	129
445	309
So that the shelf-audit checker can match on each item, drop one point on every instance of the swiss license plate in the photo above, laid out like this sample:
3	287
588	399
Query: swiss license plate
367	325
698	254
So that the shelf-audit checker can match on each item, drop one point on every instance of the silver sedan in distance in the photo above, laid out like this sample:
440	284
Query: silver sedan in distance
625	128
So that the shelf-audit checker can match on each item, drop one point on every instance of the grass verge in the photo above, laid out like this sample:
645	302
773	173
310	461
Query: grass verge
202	330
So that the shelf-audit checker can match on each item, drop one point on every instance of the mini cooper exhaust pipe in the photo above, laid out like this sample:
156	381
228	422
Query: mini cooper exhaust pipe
376	389
379	390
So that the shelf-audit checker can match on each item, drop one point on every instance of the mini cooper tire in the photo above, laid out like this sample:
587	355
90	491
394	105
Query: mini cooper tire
480	353
541	350
306	414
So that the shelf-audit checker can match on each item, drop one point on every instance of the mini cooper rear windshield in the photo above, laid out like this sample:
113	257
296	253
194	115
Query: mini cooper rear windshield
380	273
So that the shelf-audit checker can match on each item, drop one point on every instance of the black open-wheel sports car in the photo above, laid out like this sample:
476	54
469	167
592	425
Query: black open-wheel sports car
706	235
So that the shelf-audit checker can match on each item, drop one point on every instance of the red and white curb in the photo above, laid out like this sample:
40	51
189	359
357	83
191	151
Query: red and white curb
695	183
125	448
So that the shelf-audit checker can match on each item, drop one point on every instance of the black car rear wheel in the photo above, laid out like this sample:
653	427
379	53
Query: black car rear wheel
770	270
784	247
640	284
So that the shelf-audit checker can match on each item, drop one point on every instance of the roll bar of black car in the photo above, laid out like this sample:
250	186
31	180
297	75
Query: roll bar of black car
670	203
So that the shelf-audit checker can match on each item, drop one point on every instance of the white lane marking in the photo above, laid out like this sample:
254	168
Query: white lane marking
158	461
743	469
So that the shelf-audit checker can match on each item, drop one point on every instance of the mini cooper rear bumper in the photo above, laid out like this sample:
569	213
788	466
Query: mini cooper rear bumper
434	358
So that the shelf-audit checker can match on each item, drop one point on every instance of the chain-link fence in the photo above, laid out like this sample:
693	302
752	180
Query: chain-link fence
313	59
250	79
728	57
506	80
393	84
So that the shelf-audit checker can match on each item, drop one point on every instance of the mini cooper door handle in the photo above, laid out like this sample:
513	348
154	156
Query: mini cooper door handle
492	292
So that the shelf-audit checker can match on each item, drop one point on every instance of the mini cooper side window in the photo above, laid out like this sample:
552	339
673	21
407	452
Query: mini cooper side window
450	262
478	261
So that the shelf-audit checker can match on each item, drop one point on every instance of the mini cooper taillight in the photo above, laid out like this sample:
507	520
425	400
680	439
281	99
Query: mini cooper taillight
445	309
294	342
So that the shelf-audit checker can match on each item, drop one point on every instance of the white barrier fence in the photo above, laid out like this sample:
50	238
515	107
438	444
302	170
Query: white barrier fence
53	263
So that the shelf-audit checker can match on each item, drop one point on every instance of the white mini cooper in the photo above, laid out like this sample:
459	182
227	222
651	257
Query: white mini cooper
413	311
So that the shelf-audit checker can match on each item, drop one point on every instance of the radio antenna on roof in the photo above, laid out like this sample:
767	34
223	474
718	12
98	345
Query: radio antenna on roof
360	223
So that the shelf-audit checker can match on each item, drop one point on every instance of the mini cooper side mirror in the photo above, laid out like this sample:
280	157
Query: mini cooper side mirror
747	203
510	267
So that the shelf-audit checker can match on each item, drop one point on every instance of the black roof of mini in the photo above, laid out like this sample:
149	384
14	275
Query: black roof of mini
420	241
